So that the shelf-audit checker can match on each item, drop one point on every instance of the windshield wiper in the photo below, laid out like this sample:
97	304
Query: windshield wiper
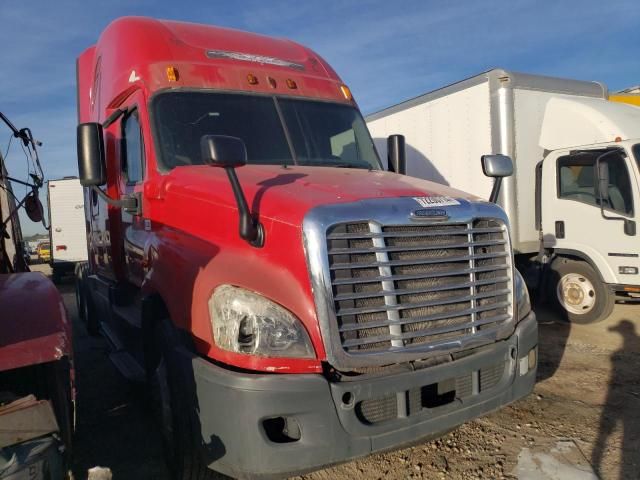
327	162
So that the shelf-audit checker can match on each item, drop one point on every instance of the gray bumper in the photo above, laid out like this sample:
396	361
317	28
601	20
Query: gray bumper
233	406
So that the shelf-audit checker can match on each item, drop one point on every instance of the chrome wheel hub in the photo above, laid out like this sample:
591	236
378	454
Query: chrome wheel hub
576	293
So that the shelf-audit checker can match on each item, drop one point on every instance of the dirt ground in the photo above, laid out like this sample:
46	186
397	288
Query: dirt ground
581	422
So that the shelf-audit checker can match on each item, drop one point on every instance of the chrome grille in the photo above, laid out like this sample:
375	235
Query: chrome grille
405	287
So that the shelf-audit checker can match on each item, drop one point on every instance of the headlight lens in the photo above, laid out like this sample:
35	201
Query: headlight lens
245	322
523	303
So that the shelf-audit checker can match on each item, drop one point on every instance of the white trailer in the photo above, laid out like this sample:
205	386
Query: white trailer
566	140
68	231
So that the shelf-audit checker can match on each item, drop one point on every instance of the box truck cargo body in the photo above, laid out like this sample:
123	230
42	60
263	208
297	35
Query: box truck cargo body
555	130
68	231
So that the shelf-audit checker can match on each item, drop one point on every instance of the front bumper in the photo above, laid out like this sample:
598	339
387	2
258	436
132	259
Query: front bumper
334	425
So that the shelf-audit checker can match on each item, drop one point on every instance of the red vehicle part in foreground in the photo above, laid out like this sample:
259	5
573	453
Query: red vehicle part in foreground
35	328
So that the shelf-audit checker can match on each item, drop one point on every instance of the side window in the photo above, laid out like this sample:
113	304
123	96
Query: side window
132	149
577	181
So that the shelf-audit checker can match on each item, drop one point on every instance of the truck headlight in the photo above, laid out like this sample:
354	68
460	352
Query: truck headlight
245	322
523	303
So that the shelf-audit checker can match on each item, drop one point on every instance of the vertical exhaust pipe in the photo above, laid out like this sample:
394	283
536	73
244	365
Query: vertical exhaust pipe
396	154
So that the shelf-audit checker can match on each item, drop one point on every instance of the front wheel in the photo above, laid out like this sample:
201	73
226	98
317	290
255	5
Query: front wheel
174	406
578	292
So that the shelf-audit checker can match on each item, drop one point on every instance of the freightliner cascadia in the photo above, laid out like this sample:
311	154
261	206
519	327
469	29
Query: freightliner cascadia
291	303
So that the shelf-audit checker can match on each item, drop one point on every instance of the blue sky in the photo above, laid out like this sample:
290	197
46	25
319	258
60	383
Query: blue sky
385	51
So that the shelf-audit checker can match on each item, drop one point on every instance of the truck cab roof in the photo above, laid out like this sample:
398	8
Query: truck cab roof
140	52
579	121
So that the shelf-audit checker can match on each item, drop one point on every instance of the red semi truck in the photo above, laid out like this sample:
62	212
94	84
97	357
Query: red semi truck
292	304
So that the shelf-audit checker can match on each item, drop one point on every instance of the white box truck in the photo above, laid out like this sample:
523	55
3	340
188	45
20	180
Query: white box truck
68	231
574	197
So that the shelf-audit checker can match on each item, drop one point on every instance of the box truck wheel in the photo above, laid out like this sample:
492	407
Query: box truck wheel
579	293
174	409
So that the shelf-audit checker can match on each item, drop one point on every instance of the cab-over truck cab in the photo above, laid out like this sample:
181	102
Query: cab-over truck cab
587	197
291	303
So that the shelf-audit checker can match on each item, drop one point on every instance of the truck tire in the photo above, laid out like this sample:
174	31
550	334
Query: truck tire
84	302
174	410
578	292
55	275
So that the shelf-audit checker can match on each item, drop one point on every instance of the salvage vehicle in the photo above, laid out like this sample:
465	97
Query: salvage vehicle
36	362
291	304
573	200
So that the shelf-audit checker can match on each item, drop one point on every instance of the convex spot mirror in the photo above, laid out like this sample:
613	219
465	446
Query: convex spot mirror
223	151
497	166
91	158
33	207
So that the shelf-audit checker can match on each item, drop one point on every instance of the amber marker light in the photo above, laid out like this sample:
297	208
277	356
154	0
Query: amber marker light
172	74
272	82
618	139
291	84
346	92
252	79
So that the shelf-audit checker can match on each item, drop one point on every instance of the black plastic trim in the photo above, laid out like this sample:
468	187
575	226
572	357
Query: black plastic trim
562	252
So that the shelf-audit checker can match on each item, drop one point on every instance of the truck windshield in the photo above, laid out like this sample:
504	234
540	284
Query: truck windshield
275	130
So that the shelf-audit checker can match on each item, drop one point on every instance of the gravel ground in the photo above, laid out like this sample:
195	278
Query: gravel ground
582	417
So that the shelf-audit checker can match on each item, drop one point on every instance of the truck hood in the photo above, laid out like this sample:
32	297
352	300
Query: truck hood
286	194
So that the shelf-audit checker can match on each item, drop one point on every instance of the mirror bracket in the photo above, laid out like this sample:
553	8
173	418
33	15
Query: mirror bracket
129	203
227	152
602	179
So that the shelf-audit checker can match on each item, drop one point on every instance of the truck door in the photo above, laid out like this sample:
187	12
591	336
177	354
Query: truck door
572	219
132	162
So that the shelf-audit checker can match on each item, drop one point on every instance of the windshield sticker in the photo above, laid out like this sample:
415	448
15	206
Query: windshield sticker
440	201
247	57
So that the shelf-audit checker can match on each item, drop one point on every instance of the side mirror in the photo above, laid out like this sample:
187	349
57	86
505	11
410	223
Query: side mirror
91	158
396	154
223	151
229	153
33	207
496	166
603	180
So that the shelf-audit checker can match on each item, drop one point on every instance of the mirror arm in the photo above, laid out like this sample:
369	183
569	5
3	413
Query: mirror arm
250	229
129	203
495	190
629	225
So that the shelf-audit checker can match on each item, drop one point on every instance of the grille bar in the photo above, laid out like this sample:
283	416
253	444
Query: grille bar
465	271
439	288
434	331
350	327
429	261
351	251
403	288
351	236
447	301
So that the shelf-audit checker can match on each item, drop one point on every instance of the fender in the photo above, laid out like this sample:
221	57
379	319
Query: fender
563	252
35	326
182	271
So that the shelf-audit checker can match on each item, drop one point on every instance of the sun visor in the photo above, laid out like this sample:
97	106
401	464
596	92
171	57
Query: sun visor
572	122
